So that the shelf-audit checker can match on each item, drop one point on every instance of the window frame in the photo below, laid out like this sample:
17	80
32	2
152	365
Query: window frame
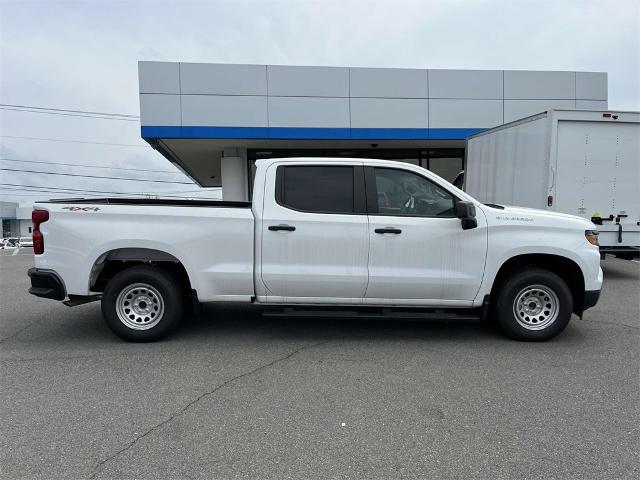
372	193
359	200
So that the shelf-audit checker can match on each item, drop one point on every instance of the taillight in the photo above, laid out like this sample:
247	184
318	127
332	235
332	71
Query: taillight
38	217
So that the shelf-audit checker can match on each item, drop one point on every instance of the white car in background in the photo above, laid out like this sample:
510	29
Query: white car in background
25	242
9	243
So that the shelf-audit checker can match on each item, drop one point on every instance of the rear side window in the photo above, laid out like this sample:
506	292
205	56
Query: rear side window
317	189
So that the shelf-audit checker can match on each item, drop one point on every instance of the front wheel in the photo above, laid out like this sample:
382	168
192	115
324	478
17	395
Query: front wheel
534	305
142	304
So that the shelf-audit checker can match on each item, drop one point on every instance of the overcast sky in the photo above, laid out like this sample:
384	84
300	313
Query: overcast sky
83	56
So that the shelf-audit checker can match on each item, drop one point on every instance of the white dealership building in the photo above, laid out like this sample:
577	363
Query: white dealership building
215	120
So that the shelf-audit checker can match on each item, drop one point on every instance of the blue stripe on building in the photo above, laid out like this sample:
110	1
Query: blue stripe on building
291	133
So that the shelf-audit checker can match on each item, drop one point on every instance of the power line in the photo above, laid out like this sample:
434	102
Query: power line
89	166
93	176
68	114
65	191
65	110
74	141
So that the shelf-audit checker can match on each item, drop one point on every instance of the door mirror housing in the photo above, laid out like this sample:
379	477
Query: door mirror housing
466	212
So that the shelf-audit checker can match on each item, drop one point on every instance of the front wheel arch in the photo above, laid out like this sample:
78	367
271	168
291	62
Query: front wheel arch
563	267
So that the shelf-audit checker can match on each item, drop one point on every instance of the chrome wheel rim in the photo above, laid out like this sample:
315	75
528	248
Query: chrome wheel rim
536	307
140	306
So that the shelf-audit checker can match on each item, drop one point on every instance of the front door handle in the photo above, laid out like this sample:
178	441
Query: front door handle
396	231
286	228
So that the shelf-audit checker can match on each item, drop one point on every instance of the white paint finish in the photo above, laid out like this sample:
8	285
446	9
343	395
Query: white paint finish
223	79
517	109
215	245
218	110
389	83
326	258
591	86
389	113
308	112
296	81
432	259
539	85
598	173
449	113
160	110
159	77
508	166
484	84
326	255
234	179
592	105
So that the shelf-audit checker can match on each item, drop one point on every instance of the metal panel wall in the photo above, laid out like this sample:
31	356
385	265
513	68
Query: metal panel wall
453	113
529	85
309	112
385	101
389	113
221	110
389	83
480	84
221	79
286	81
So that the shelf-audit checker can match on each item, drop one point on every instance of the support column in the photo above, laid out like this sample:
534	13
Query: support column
233	170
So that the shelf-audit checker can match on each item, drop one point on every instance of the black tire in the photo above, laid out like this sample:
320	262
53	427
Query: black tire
530	291
158	295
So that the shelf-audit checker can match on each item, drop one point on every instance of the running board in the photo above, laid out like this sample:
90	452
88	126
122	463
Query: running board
435	314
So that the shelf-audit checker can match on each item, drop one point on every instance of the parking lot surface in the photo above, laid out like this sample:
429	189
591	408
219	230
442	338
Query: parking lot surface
235	395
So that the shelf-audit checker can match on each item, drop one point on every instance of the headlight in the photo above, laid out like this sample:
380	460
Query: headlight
591	236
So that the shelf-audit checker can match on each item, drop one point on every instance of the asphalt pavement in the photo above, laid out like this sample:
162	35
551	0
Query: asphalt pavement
233	395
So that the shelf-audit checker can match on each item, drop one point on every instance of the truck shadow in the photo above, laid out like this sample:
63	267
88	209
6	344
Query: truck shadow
239	321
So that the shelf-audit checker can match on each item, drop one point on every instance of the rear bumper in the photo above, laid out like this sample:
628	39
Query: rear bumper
46	284
590	299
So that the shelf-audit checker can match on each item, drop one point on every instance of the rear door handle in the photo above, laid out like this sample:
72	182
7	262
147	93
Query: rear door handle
286	228
396	231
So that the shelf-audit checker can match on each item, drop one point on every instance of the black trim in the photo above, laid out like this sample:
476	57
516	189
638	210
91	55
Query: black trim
371	190
152	202
590	299
359	191
46	284
284	228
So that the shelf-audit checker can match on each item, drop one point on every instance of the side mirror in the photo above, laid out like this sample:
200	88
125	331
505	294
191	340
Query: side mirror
466	212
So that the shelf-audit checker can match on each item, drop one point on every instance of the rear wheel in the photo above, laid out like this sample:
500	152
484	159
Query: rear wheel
142	303
534	304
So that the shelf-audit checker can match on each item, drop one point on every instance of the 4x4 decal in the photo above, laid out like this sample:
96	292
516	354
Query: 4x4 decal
81	209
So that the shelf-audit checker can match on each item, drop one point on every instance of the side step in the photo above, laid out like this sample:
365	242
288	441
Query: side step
422	314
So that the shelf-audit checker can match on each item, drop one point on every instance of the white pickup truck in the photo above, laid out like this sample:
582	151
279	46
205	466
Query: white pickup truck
367	237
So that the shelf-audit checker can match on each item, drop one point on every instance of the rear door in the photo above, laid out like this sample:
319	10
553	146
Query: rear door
419	254
315	237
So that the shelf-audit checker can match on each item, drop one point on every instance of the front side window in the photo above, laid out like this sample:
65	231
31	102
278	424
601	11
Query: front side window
318	189
405	193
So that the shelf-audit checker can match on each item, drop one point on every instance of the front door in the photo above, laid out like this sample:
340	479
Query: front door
419	254
315	235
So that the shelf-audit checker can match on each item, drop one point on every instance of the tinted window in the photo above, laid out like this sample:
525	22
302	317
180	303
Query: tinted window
325	189
405	193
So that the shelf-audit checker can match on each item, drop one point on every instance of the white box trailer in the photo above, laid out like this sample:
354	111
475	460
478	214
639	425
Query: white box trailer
583	163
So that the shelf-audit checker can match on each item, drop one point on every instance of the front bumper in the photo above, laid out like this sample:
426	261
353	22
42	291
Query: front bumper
46	284
590	299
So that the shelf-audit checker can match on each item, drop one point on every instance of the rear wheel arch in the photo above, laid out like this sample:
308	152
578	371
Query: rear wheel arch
565	268
111	263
